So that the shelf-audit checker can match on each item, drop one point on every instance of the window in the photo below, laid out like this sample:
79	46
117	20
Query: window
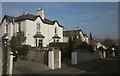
36	42
57	40
40	43
38	27
6	28
19	26
55	29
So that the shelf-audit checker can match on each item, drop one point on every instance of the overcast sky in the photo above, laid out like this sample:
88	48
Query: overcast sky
99	18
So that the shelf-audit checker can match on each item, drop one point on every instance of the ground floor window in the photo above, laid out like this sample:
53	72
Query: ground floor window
56	40
39	42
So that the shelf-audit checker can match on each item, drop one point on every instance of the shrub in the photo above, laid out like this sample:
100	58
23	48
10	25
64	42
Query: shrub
23	51
61	45
85	46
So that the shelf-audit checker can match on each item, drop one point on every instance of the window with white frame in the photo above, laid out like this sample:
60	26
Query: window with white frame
40	43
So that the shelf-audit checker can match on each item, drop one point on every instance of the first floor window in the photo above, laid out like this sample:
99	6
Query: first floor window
38	27
55	29
6	29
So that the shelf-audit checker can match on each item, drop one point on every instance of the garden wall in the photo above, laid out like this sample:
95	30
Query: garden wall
87	56
38	56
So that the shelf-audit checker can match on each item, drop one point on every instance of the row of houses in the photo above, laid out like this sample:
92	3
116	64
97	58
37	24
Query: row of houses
40	31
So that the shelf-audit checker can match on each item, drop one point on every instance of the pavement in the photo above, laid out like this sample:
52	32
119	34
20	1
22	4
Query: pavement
28	67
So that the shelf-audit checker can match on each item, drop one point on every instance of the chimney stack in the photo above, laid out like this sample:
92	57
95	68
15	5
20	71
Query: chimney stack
40	12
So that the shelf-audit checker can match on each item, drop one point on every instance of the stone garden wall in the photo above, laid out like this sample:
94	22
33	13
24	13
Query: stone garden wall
87	56
38	56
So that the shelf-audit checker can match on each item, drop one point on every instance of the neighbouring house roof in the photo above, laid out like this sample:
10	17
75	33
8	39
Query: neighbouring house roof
29	17
85	35
56	36
72	33
38	35
8	18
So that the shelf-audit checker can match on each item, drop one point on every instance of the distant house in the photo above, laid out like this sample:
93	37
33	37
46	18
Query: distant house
99	44
79	34
76	33
38	30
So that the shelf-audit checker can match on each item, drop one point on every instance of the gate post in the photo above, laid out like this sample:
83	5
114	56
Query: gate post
1	63
11	63
51	59
74	58
59	59
104	54
54	58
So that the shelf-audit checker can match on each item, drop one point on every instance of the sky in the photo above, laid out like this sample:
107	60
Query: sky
98	18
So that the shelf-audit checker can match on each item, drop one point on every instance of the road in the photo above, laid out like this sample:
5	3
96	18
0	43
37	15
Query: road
100	66
105	66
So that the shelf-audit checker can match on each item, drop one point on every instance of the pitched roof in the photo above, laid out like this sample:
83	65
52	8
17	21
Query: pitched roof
56	36
8	18
38	35
26	17
29	17
71	33
85	35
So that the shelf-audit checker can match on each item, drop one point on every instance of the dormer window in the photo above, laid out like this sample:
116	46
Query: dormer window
38	27
56	38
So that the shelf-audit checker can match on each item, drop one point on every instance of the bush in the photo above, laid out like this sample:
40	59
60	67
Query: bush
23	51
61	45
85	46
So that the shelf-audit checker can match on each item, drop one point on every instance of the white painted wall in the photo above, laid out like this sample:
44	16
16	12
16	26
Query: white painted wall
65	39
2	28
82	37
47	30
30	32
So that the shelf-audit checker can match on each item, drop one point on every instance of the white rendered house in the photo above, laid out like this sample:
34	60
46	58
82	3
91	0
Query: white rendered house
38	30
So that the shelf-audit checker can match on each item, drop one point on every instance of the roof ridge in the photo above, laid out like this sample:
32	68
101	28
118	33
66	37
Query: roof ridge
32	17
